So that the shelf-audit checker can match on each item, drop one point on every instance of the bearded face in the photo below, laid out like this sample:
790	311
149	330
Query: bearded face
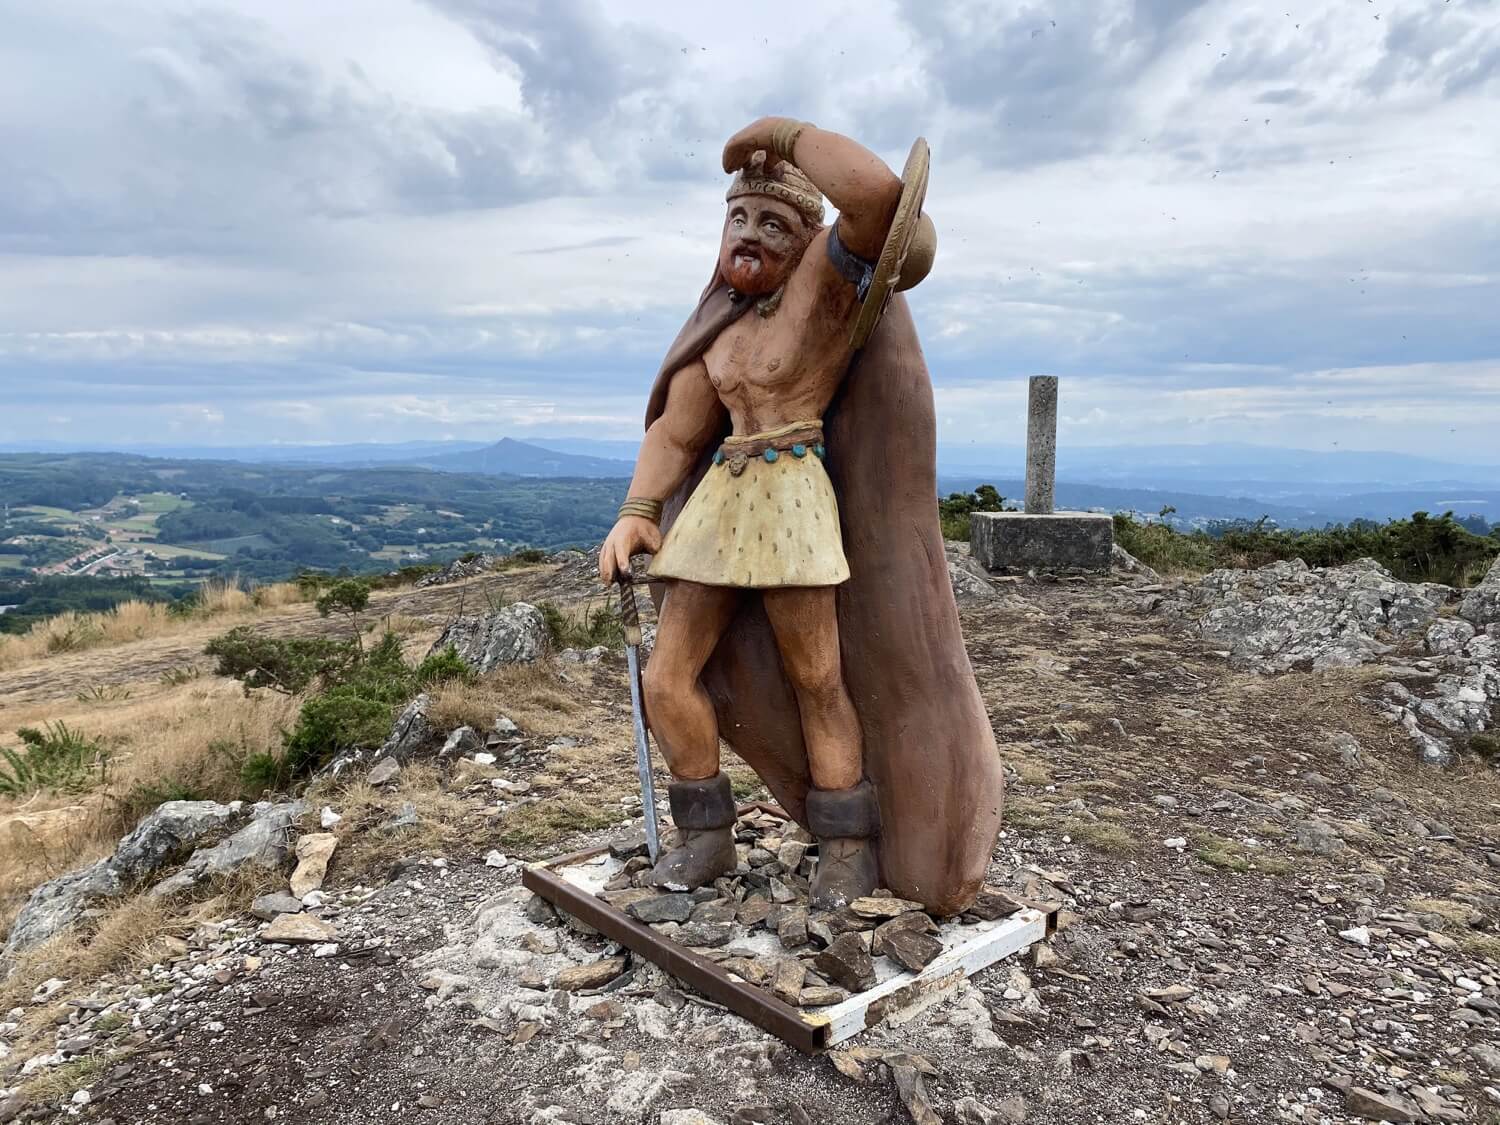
763	240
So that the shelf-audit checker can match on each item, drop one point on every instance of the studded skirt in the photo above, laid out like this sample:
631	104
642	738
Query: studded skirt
763	516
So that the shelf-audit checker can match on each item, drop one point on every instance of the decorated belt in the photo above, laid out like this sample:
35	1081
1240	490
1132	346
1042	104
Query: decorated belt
799	439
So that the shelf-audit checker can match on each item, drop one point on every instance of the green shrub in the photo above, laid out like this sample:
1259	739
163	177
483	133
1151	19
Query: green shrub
524	556
54	757
598	626
1420	549
1161	548
354	696
262	771
289	665
355	710
954	512
349	597
443	666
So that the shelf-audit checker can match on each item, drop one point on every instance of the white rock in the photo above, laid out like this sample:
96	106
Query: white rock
205	1089
329	818
82	1097
1357	935
484	758
495	859
327	949
1175	842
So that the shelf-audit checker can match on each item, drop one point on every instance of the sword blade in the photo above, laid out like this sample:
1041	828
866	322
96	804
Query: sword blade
642	752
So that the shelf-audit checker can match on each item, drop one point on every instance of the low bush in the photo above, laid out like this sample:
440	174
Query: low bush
954	512
1424	548
352	696
286	664
598	625
55	757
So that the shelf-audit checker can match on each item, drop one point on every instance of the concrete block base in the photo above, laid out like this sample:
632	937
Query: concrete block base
1059	541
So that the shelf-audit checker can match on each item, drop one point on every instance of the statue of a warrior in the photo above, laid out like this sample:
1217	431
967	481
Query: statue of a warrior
786	488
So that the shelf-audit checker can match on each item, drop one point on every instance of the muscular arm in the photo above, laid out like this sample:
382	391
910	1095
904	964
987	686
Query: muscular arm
854	179
692	417
690	420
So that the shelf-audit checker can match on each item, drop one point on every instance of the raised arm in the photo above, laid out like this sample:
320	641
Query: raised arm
693	417
854	179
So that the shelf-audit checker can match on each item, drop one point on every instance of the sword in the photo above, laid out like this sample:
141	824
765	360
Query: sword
630	618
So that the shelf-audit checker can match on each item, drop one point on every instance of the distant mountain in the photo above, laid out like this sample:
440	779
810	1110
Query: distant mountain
622	450
1295	479
360	453
508	457
1225	469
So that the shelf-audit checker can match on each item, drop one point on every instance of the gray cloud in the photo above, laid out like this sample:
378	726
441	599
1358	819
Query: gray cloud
408	218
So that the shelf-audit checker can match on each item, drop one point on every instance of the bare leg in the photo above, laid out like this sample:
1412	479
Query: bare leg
805	621
682	717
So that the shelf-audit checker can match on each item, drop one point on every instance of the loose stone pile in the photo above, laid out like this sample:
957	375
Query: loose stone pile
758	926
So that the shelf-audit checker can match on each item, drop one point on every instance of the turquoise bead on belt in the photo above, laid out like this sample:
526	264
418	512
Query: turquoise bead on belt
818	451
718	457
771	455
799	451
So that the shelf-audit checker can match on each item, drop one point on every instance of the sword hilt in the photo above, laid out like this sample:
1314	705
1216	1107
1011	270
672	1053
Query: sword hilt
630	616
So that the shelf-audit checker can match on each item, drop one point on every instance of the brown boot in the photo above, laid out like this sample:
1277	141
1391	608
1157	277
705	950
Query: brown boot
846	822
704	814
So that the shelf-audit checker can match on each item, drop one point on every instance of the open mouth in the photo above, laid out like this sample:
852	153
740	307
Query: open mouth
747	260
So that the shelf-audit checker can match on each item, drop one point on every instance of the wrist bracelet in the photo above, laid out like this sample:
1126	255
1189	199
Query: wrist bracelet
784	137
641	506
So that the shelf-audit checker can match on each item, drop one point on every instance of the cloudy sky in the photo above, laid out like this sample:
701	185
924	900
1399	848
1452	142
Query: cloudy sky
379	220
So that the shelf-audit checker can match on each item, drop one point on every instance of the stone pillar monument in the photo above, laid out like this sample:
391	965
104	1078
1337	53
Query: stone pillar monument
1040	538
1041	444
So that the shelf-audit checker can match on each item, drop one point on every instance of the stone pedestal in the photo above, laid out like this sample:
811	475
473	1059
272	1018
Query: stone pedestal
1060	541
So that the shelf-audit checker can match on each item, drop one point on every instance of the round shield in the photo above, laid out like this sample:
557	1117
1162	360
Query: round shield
898	244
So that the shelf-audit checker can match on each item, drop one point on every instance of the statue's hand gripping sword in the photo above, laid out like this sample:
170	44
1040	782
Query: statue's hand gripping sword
630	618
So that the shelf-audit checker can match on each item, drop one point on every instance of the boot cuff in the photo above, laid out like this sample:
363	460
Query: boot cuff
700	805
843	813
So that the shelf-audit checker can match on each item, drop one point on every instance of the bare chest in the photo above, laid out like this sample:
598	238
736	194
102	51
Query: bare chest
770	370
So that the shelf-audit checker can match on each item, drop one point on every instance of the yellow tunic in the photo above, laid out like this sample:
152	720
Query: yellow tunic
759	524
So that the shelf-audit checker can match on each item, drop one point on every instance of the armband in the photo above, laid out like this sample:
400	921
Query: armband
850	266
642	506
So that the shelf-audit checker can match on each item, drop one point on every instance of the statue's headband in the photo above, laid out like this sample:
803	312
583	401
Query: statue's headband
785	182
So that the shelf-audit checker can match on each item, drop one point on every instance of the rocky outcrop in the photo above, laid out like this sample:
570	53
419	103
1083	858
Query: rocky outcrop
1445	670
1481	605
153	844
1121	559
1288	615
264	842
458	570
516	634
971	583
409	733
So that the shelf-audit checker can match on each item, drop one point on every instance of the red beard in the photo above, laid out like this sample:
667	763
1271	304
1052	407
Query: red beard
750	270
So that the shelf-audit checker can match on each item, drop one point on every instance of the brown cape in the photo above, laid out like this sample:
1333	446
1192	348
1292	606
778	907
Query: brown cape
929	748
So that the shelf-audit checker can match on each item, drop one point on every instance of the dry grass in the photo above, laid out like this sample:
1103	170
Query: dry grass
1231	855
1461	914
62	1082
1102	836
447	822
135	621
171	742
1486	947
543	823
530	695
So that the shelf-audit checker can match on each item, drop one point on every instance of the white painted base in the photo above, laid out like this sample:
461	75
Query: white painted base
899	995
